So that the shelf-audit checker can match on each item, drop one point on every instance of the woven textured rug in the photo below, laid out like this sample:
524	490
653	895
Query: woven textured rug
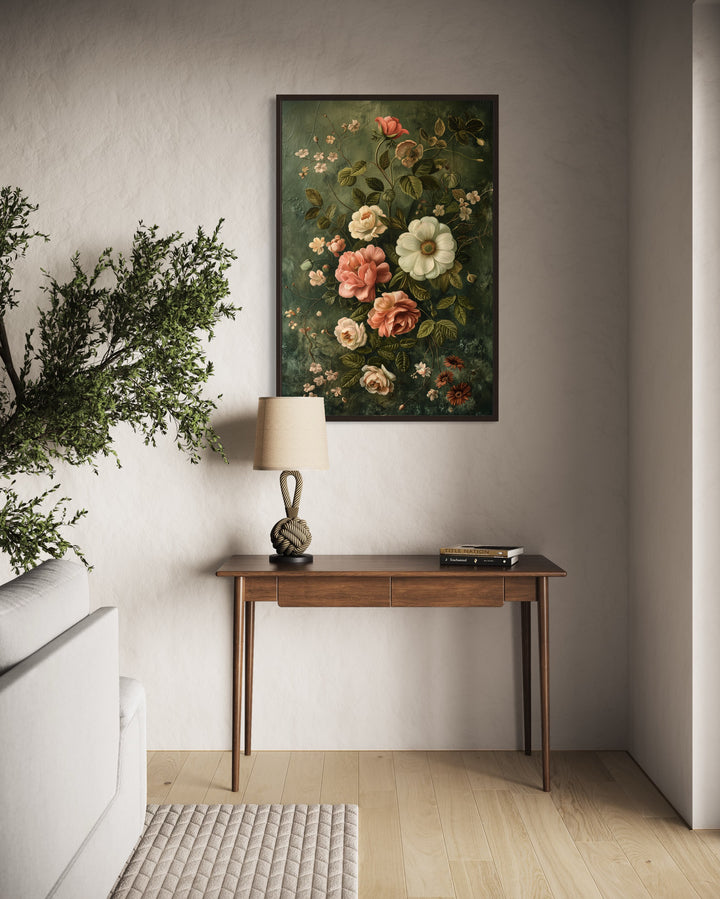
244	852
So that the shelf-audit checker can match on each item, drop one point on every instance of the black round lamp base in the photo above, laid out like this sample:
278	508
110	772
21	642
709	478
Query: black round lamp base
302	559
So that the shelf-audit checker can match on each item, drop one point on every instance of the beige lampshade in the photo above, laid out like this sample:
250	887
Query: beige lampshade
291	433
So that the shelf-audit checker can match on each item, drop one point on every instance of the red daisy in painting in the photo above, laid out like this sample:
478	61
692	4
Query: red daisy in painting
454	362
459	394
445	377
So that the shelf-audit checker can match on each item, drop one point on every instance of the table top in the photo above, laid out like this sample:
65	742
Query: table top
389	566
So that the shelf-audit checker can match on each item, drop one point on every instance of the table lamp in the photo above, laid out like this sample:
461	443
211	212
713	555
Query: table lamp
290	435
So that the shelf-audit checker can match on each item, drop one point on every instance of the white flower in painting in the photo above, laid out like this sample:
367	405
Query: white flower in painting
350	334
426	249
473	197
439	209
317	244
315	367
302	153
377	380
316	278
366	224
421	370
320	167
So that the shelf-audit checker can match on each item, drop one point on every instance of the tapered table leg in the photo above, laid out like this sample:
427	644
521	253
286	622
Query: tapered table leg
544	648
249	653
238	639
526	677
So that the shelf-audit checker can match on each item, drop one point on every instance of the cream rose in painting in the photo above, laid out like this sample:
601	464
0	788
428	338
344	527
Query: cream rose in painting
365	224
350	334
377	380
426	249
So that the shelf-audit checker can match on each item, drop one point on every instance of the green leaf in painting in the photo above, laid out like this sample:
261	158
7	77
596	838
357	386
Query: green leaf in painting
352	360
374	183
439	127
424	135
374	198
430	183
423	167
460	315
444	330
359	314
455	279
464	301
359	167
323	222
387	354
411	186
455	123
402	361
341	221
399	279
407	343
418	291
330	296
359	197
384	160
475	126
446	302
313	197
350	379
426	328
331	210
312	213
346	177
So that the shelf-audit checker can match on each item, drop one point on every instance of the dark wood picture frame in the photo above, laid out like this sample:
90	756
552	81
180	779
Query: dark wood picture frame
387	255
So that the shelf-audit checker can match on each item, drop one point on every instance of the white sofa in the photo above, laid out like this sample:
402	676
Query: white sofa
72	740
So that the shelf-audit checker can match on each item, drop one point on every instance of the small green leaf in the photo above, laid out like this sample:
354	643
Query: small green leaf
359	167
446	302
384	160
407	343
430	183
312	213
418	291
460	315
444	330
374	183
323	222
313	197
359	314
350	379
464	301
359	197
439	127
374	198
426	328
411	186
386	354
352	360
475	126
346	177
402	361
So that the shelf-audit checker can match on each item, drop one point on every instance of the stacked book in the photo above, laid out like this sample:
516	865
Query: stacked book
470	554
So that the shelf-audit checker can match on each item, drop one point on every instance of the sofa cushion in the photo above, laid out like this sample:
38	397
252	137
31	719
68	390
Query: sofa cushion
38	606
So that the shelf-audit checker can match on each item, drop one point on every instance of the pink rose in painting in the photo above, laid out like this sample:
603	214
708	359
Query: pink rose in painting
358	272
336	245
391	126
393	313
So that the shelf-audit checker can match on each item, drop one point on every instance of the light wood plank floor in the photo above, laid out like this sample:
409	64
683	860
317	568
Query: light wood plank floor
476	824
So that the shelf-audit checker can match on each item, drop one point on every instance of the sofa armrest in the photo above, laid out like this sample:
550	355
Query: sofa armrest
59	716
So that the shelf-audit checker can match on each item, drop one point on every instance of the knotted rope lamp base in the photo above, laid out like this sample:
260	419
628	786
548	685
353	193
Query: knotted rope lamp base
291	535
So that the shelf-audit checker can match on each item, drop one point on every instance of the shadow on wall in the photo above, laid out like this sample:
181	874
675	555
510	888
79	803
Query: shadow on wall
237	435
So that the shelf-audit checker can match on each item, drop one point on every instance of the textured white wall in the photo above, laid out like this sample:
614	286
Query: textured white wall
660	336
115	112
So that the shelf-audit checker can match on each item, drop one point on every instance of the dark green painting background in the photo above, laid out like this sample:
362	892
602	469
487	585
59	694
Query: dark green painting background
300	120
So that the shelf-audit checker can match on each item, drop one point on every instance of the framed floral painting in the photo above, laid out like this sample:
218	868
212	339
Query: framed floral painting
387	255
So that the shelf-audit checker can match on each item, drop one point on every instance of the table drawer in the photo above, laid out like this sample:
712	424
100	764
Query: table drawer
333	591
520	589
447	591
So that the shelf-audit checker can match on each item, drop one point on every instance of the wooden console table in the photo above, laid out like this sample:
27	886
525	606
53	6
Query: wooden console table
403	581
